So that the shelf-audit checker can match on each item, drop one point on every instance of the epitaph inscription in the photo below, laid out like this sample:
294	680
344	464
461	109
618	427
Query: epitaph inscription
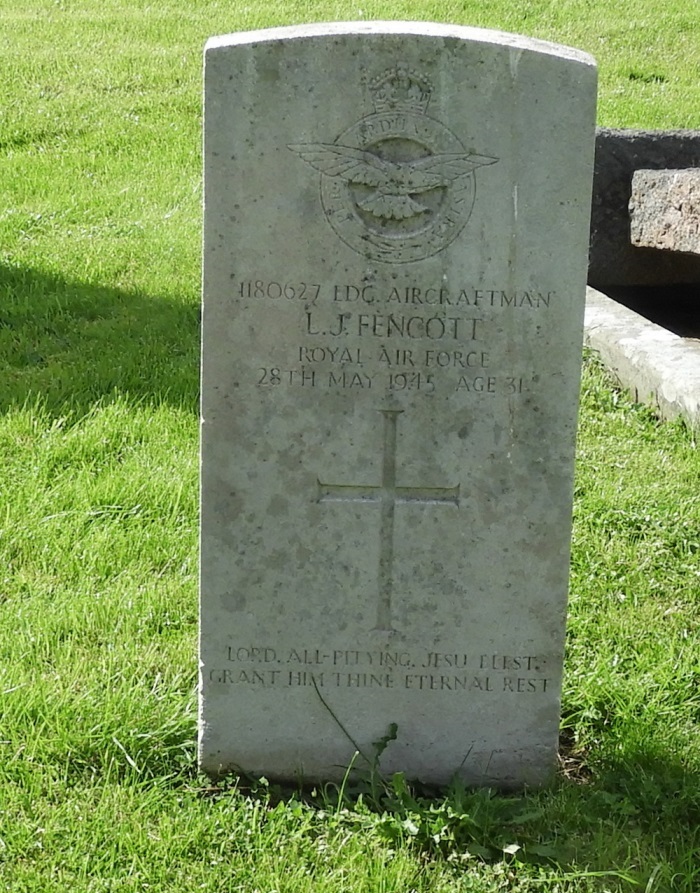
388	494
465	675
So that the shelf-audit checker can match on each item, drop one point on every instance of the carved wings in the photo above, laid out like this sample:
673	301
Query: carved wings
394	182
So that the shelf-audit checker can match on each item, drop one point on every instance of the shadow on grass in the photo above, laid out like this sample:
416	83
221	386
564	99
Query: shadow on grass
69	344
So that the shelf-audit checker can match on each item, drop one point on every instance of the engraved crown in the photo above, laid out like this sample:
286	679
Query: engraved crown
401	89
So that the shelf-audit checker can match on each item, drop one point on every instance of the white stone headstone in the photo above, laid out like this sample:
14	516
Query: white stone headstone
395	253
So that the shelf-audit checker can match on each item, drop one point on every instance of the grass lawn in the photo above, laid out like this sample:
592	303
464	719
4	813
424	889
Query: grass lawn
100	115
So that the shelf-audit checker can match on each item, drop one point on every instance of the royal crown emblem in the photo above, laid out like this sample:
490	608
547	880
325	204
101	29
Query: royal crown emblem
397	185
401	89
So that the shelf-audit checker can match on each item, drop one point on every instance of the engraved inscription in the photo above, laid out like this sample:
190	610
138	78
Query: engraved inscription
300	291
434	328
388	494
464	296
476	674
349	380
449	338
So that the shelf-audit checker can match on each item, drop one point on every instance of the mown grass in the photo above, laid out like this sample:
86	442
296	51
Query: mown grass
99	278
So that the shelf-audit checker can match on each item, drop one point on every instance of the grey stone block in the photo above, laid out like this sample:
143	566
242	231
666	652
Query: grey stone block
614	260
665	210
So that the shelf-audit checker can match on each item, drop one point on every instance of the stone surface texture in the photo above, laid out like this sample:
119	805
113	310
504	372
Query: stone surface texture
614	260
396	224
656	366
665	210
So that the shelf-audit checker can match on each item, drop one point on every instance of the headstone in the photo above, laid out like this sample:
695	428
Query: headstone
665	210
395	250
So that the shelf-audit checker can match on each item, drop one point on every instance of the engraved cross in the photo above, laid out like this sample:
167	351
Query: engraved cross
388	494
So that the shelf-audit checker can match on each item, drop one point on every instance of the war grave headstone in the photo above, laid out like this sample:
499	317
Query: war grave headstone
395	252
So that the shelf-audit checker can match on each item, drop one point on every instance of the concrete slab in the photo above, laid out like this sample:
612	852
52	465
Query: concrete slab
658	367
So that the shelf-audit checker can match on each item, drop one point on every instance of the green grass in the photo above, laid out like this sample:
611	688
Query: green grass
100	117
